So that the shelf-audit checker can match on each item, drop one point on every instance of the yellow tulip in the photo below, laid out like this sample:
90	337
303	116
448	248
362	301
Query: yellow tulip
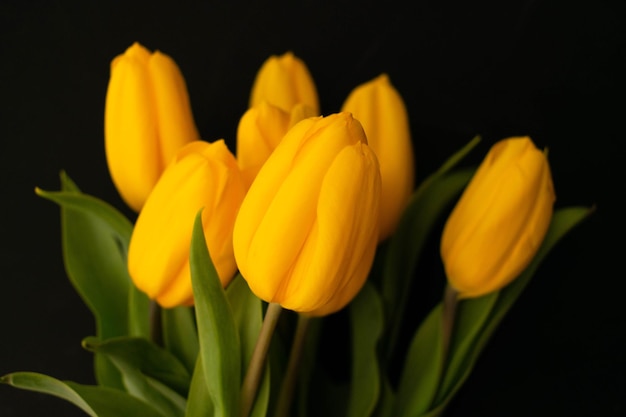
260	130
285	81
147	119
381	110
202	175
500	220
307	230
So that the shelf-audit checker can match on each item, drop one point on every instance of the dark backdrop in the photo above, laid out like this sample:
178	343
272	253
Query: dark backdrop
553	70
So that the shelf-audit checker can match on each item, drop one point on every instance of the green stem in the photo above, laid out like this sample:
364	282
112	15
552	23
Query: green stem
156	323
450	301
285	397
257	362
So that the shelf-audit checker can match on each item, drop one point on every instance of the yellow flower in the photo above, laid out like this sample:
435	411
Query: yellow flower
202	175
307	230
381	110
260	130
501	219
147	119
285	81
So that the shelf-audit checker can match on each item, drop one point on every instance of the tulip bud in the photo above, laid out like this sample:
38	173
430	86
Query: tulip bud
307	230
260	130
202	175
381	110
147	119
500	220
285	81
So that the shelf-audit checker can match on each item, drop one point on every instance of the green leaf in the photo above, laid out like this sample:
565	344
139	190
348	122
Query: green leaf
199	402
404	249
477	319
465	353
217	332
426	204
142	365
366	318
248	314
95	240
131	354
422	369
384	407
180	335
94	401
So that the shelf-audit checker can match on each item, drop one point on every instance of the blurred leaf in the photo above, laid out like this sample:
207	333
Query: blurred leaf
426	204
134	353
180	335
248	314
470	343
219	339
384	407
406	245
95	240
366	318
199	402
95	401
477	319
138	313
138	360
422	369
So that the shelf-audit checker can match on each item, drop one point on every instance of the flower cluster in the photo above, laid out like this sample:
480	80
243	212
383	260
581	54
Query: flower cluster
187	298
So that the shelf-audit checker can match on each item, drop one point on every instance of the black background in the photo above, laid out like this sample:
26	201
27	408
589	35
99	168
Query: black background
553	70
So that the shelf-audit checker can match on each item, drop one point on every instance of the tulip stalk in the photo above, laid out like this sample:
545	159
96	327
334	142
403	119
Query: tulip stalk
257	362
450	302
156	323
285	397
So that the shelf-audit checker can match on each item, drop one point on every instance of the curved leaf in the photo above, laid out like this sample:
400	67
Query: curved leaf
217	332
95	239
464	355
422	368
180	335
45	384
366	318
139	354
94	401
404	247
406	244
199	402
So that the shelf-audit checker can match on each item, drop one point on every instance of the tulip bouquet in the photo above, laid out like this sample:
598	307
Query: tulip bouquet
218	298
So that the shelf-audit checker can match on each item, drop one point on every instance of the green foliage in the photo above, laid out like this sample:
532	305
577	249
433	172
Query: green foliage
95	401
197	365
428	384
95	239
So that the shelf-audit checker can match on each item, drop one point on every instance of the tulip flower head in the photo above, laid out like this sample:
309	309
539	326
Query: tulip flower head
285	81
202	176
500	220
307	230
147	119
381	110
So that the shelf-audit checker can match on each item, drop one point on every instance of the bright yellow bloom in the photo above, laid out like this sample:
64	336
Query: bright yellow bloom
285	81
147	119
381	110
501	219
307	230
202	175
260	130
